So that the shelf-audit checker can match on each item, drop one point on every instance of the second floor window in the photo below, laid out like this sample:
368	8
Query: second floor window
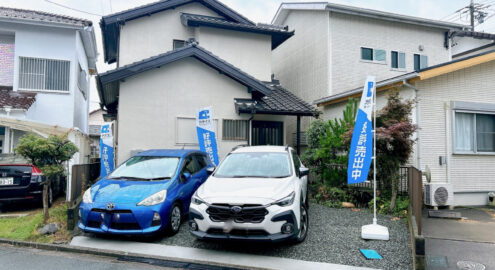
420	61
179	43
398	60
374	55
43	74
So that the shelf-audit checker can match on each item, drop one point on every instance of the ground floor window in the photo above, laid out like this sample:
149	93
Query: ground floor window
474	132
235	130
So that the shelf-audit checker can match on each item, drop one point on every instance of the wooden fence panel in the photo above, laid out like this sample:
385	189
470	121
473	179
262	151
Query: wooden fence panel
82	176
416	195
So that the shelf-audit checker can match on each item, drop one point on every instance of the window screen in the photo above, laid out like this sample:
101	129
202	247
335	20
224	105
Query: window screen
398	60
235	130
43	74
379	55
485	133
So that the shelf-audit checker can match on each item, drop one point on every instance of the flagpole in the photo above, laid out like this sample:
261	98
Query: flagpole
374	157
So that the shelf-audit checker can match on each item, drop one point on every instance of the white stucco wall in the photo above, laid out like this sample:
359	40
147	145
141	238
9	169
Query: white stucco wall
81	102
149	105
463	44
349	33
52	43
247	51
149	36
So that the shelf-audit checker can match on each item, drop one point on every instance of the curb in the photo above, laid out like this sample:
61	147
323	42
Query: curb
124	255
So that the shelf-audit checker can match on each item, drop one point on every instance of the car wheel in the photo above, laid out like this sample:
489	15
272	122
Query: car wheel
303	228
174	219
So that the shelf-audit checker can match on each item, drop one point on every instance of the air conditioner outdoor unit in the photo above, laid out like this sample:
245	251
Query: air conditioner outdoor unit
439	194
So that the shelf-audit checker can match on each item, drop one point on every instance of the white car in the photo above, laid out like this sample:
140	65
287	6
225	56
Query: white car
256	193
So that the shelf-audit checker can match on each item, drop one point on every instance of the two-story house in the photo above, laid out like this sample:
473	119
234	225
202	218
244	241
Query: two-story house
45	65
175	57
445	68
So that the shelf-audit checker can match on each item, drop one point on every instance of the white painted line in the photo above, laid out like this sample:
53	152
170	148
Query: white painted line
206	256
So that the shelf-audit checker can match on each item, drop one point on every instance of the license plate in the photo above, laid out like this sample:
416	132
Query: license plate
6	181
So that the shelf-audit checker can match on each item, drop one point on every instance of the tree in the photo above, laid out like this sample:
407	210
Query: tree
48	154
394	143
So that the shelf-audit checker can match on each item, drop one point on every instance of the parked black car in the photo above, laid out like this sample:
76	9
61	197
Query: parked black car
23	181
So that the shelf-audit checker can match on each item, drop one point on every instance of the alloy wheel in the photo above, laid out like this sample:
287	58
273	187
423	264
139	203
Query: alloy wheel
304	224
175	218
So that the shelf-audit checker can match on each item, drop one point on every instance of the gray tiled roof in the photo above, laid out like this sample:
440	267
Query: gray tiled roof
40	16
279	33
280	101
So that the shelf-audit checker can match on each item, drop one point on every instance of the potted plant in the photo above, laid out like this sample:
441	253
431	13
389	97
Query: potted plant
491	198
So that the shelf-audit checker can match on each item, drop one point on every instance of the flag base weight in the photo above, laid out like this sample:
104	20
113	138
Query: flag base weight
374	232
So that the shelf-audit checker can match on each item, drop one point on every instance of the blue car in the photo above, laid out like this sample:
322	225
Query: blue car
147	194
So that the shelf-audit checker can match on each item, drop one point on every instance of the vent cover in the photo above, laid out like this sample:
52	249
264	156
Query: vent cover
441	196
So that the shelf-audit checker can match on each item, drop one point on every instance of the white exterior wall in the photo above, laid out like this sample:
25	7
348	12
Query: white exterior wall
149	105
153	35
247	51
81	102
462	44
51	43
349	33
469	174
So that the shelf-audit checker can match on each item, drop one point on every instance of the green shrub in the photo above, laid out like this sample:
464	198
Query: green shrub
383	206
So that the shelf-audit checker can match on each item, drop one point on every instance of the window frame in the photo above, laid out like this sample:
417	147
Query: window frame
69	72
398	68
420	61
475	142
374	61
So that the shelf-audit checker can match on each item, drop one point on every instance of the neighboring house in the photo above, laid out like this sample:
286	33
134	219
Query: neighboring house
455	113
175	57
336	46
45	65
95	122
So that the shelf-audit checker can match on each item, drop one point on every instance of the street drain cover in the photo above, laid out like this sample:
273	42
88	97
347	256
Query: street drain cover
467	265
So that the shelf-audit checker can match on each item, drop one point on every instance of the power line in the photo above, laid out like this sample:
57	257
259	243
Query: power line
77	10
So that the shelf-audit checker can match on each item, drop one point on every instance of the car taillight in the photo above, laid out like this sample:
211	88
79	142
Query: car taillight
36	175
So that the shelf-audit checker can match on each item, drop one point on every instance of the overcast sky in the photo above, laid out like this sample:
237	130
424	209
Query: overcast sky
256	10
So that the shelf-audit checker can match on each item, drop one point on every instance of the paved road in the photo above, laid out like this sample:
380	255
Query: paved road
34	259
470	239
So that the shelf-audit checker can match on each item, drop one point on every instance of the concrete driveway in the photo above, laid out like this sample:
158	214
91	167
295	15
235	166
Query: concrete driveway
472	238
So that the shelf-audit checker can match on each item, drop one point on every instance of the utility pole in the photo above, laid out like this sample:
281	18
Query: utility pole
471	14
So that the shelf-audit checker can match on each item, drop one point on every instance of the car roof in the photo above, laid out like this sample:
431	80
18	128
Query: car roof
264	148
169	152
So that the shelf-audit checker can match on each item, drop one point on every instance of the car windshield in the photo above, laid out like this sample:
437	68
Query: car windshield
146	168
255	164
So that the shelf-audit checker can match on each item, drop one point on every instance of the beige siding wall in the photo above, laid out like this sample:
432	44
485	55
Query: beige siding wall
247	51
153	35
149	105
350	33
467	172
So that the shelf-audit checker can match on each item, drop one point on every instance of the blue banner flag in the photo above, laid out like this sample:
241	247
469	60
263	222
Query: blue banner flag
106	150
205	126
361	151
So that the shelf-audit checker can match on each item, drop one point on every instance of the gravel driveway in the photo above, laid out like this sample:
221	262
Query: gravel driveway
334	237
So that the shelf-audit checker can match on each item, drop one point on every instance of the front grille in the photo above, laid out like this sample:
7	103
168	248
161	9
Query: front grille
125	226
249	213
238	232
94	224
99	210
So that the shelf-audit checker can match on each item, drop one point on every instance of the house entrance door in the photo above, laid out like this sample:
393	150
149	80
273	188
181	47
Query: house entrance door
267	133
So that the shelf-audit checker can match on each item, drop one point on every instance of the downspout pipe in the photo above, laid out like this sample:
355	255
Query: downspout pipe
253	112
418	121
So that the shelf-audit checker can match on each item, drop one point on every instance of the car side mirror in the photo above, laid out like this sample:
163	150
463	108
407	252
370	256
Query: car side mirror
303	172
185	176
210	170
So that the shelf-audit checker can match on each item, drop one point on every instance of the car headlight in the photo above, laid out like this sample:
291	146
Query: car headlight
197	200
286	201
154	199
87	196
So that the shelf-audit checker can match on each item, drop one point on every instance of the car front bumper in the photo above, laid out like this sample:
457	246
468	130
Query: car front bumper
269	230
124	219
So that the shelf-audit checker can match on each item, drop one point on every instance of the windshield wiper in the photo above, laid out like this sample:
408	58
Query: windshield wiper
249	176
160	178
128	178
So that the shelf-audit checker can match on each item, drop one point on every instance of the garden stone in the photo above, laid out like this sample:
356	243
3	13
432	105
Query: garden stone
348	205
49	229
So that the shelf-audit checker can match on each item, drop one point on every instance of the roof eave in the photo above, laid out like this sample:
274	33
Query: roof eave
42	23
